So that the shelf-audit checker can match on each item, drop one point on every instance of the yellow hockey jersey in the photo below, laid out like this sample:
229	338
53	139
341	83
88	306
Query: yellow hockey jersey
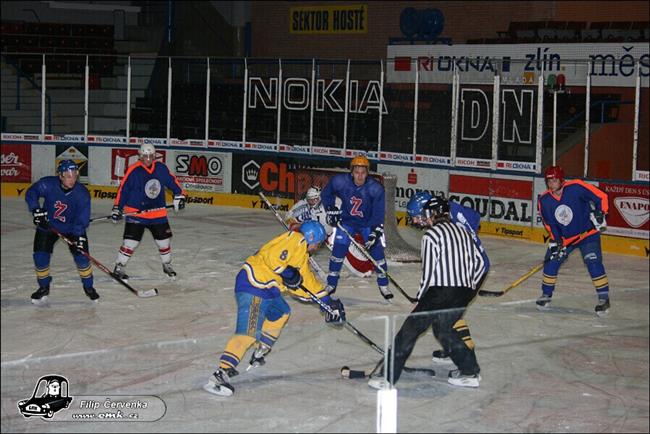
263	269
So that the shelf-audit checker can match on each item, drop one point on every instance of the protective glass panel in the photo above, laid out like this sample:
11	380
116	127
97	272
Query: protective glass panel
564	115
643	148
397	123
363	111
329	109
611	118
517	129
149	97
296	102
475	117
107	94
188	98
21	94
66	94
226	99
434	110
262	112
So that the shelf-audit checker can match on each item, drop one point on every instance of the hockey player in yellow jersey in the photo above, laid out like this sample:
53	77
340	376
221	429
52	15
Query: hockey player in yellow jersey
281	265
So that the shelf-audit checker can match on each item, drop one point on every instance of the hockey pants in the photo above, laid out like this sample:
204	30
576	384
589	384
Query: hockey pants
593	258
442	308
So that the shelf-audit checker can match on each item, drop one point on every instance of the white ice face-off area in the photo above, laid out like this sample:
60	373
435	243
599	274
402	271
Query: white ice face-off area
564	370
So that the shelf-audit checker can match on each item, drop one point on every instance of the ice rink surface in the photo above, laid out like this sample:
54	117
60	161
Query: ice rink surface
565	370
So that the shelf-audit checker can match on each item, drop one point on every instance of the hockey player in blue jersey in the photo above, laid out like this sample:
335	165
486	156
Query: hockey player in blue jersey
573	213
142	191
66	208
362	211
463	216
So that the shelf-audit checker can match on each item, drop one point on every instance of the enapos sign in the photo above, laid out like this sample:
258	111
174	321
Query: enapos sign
633	209
629	209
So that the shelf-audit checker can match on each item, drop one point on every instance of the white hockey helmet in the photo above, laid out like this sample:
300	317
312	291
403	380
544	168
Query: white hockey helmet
313	193
147	149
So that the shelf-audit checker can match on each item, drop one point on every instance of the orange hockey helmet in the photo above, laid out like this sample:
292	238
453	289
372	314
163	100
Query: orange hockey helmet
360	160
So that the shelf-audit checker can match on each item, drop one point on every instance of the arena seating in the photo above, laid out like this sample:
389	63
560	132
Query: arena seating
68	42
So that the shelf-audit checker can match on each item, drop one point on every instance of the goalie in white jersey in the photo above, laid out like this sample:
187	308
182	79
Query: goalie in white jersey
309	208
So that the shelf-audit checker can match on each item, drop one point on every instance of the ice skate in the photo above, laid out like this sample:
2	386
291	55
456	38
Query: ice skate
543	302
169	271
92	294
219	383
463	380
602	308
118	272
40	296
440	356
258	357
385	292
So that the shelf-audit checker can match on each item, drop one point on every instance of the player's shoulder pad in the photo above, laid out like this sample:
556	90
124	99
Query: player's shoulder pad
374	185
543	195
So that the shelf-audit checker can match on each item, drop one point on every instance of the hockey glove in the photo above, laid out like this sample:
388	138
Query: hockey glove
40	218
333	215
291	278
555	251
179	202
336	311
116	214
82	244
374	237
598	219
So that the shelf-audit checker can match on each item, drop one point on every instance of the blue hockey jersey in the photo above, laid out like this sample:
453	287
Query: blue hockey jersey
567	216
361	206
143	188
67	211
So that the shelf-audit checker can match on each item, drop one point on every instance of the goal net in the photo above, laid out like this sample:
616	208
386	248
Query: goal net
397	249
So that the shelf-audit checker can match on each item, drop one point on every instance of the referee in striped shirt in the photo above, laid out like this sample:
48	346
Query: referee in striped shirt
452	269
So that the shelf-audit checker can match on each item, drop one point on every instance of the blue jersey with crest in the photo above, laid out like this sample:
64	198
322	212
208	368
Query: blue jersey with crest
566	216
68	211
143	188
361	206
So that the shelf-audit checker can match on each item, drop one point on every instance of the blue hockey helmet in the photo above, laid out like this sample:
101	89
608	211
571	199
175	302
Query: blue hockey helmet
65	165
424	205
313	231
417	203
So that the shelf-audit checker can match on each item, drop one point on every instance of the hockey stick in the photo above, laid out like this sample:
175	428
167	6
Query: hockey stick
312	261
532	271
371	259
107	217
361	336
144	294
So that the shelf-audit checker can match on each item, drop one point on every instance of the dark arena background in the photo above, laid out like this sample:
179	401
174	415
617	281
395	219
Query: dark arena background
470	99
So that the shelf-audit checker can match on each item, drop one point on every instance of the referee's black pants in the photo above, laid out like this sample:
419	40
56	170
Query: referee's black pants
445	305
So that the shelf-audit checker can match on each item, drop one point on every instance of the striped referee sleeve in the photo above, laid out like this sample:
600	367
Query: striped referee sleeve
450	258
430	252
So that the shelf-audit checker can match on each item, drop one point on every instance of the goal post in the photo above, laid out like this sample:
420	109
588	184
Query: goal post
397	249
